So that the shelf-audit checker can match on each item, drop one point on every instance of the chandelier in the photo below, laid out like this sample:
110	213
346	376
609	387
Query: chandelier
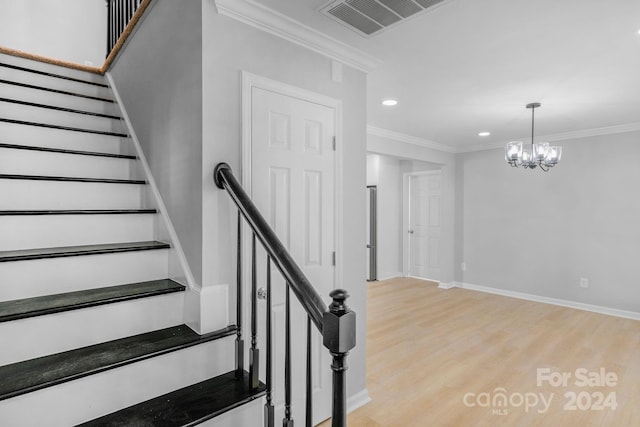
540	154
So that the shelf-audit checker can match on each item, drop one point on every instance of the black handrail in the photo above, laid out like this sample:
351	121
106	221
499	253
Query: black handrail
300	285
336	323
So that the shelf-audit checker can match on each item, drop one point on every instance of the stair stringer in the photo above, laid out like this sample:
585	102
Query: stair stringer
206	308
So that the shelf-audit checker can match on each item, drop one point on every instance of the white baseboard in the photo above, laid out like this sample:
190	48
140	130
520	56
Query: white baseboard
547	300
390	275
444	285
359	399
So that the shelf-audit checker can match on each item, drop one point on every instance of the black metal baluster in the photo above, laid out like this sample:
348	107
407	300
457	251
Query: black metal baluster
123	14
114	23
108	4
239	340
254	354
287	421
269	410
118	18
123	22
309	408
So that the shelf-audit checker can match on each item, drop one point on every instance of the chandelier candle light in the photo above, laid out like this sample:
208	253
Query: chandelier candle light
540	154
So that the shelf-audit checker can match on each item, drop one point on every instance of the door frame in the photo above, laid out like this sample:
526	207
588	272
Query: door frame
249	82
406	218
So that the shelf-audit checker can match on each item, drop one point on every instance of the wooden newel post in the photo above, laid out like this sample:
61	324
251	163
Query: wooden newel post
339	336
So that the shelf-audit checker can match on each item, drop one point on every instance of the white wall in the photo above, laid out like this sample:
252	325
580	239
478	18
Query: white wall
159	78
71	30
229	47
539	233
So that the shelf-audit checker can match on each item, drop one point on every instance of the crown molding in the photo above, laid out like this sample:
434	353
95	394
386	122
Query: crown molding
409	139
273	22
563	136
585	133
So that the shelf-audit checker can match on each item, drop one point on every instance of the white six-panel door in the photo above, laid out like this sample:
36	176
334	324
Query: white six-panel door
424	230
292	183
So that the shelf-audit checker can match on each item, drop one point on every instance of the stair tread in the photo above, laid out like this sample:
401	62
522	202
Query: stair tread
37	306
59	76
66	251
66	151
79	212
187	406
35	374
72	179
69	128
54	107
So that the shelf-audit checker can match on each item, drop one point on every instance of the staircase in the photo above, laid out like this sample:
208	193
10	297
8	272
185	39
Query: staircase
92	326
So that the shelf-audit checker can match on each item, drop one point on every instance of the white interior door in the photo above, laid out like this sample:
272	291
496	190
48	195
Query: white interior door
292	183
424	232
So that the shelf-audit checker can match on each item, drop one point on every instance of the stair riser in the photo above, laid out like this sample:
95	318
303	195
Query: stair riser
90	397
68	330
32	195
54	83
49	231
34	278
31	162
57	99
43	66
56	138
249	414
27	113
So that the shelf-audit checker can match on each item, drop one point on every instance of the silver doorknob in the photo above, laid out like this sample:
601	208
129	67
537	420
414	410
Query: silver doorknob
262	293
410	231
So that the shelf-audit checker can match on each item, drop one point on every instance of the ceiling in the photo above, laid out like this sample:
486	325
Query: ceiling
468	66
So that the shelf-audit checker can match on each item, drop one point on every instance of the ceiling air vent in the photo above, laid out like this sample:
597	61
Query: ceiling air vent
370	17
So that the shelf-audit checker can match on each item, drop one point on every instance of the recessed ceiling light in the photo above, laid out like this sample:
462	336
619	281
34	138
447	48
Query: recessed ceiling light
389	102
484	133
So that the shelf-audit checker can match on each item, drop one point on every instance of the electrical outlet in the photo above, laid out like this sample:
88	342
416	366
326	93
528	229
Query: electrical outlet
463	266
584	282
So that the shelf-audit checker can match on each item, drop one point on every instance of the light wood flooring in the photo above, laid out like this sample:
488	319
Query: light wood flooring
428	348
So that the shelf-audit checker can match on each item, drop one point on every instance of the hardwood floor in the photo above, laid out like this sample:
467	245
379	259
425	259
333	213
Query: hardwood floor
432	354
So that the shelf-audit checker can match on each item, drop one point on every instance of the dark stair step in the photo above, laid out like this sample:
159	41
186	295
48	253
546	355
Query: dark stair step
51	126
79	212
62	92
59	76
54	107
38	306
65	151
67	251
187	406
35	374
72	179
